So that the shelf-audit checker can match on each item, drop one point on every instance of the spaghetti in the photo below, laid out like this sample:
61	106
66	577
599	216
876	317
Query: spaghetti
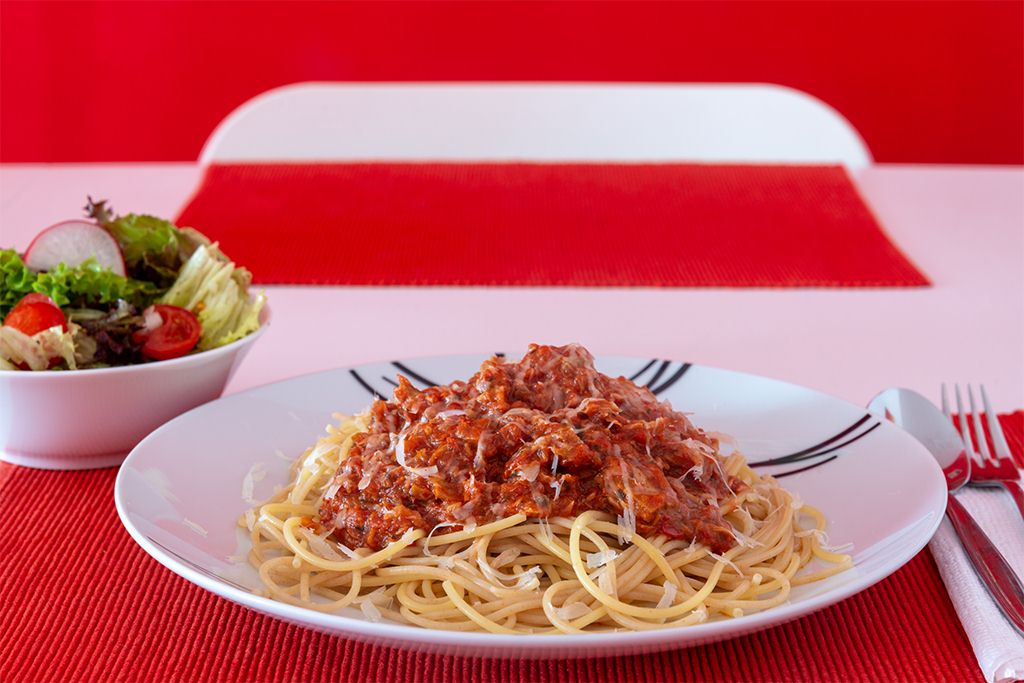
608	510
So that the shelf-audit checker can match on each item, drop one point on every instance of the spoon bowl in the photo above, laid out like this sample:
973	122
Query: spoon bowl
926	423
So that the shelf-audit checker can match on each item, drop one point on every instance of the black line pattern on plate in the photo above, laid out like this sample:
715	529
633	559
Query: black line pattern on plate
812	451
804	469
365	385
632	378
673	378
198	568
652	383
657	375
389	380
821	449
412	374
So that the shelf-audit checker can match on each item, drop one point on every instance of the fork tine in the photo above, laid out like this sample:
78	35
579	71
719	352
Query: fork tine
995	429
945	400
965	433
979	432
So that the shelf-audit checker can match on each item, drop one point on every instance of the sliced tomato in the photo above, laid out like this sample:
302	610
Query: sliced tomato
178	334
34	313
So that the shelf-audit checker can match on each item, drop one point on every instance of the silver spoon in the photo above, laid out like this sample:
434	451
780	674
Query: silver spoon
926	423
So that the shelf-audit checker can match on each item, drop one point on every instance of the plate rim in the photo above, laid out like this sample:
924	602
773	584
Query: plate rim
530	645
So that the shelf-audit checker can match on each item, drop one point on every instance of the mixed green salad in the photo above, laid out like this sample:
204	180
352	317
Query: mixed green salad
119	290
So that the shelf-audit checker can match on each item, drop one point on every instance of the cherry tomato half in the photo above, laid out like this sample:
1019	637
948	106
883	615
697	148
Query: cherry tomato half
178	334
35	313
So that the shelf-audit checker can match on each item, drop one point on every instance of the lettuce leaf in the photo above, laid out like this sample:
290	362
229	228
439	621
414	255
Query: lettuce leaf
83	286
154	249
89	284
15	280
218	293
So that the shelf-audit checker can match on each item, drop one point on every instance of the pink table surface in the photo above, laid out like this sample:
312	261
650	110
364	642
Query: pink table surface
964	226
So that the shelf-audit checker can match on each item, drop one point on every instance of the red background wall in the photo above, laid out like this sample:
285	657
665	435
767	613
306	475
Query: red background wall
935	82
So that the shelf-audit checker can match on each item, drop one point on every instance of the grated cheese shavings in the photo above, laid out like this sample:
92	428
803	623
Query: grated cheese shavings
822	538
744	540
627	520
699	446
668	595
400	450
506	557
255	474
573	610
195	527
400	459
721	473
368	475
795	503
697	470
320	546
465	510
530	472
443	561
321	449
627	525
604	581
370	610
601	558
481	444
723	558
528	579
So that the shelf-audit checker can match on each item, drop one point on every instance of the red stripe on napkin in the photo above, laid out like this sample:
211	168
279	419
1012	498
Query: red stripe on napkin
80	601
620	225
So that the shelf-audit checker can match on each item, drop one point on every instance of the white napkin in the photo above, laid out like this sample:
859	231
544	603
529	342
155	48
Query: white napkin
997	645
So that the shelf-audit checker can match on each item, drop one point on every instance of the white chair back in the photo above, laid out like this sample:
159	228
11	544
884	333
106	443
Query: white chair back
537	122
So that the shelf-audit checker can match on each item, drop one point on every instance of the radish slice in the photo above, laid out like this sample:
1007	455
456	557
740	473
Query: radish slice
71	243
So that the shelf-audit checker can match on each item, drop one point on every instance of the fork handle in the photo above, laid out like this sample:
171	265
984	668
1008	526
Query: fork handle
991	566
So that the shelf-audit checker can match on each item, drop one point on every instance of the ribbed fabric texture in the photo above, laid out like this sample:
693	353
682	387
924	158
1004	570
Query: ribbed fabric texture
81	602
587	225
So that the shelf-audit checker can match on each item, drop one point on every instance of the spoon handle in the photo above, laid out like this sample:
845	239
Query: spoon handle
989	563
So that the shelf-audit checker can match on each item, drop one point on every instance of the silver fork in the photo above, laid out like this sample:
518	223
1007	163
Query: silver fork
986	470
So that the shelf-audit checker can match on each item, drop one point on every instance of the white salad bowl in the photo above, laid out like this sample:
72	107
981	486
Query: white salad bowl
82	419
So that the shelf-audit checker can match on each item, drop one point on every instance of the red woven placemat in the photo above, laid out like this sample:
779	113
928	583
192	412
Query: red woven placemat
623	225
80	601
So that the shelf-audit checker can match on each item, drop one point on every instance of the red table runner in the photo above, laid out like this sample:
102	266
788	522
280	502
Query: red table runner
524	224
80	601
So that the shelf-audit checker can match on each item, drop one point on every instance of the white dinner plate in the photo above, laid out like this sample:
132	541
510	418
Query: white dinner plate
179	493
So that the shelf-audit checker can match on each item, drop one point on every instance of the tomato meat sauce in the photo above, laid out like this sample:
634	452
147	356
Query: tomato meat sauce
546	436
